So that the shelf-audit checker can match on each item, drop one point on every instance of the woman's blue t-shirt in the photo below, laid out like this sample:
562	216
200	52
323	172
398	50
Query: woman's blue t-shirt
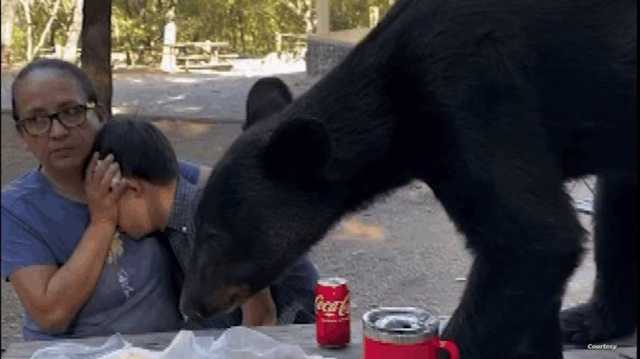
135	293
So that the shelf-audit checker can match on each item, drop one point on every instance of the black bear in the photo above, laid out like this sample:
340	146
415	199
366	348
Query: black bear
494	104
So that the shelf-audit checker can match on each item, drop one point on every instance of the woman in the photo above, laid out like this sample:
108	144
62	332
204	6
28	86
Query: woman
58	225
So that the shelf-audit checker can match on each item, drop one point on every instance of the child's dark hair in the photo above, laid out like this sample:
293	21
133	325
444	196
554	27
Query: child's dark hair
140	148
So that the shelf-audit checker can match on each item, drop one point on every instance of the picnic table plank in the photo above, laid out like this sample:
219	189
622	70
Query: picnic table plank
202	43
302	335
194	57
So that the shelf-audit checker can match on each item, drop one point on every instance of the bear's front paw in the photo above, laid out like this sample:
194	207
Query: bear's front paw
592	322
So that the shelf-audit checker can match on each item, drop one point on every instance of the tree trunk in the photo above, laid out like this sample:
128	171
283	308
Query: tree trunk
26	8
302	8
47	28
8	16
308	22
242	27
70	52
306	7
96	48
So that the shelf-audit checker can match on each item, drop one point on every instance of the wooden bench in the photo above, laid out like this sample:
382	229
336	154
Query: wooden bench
47	53
203	55
228	56
207	66
294	44
192	60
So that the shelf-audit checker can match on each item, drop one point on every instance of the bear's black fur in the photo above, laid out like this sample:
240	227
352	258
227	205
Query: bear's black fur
266	97
494	104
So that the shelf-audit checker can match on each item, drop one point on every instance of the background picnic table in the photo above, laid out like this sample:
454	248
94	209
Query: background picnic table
203	54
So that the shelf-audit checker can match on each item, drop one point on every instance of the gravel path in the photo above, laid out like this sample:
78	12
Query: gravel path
201	95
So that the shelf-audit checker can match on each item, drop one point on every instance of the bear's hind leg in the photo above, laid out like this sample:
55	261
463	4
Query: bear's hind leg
527	240
612	310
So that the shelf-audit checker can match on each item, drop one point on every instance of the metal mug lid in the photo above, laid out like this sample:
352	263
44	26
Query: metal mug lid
400	325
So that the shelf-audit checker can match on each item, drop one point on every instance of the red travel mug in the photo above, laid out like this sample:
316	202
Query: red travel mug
403	332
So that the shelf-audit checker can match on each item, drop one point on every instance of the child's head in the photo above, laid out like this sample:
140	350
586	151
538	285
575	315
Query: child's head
150	167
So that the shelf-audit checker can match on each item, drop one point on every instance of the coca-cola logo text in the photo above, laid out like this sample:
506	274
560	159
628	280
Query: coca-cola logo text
332	308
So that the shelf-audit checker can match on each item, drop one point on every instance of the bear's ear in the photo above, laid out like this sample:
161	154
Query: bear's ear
267	96
298	151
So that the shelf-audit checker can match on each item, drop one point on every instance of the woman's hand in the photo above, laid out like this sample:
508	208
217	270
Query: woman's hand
103	186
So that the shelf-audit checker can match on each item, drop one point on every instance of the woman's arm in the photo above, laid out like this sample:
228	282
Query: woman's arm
53	295
259	310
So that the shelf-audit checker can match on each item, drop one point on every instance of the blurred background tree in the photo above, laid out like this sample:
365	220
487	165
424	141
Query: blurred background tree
8	20
137	28
250	26
350	14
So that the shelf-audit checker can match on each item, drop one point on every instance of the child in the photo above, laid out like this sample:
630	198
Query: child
159	201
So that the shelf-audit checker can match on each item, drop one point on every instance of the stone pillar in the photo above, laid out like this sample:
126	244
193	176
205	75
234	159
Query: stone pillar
322	13
58	51
168	51
374	16
278	43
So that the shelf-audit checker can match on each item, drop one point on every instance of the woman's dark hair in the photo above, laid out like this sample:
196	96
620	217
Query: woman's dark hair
140	148
64	67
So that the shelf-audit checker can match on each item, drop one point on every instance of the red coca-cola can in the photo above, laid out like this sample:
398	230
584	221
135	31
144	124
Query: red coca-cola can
333	307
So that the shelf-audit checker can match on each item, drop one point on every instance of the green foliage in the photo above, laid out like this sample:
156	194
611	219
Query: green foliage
250	26
40	11
349	14
19	45
137	27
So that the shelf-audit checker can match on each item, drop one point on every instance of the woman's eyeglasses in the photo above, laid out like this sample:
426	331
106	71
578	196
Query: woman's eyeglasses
40	124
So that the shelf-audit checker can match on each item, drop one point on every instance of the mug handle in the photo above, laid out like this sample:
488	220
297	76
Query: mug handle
451	347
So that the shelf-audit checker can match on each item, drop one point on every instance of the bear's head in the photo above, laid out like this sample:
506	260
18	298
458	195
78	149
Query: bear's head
267	201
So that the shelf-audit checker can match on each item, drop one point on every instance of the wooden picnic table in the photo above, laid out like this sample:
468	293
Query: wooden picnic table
202	53
303	335
207	46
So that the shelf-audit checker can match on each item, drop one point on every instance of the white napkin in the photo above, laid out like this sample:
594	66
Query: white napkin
235	343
